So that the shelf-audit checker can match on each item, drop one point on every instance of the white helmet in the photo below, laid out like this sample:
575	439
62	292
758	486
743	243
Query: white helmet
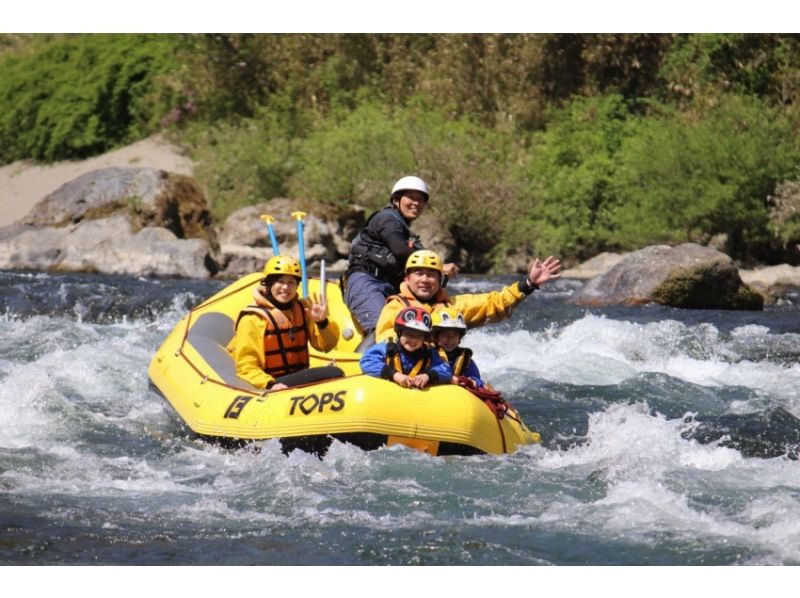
411	183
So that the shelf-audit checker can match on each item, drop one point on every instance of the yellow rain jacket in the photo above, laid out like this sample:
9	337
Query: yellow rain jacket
478	309
248	344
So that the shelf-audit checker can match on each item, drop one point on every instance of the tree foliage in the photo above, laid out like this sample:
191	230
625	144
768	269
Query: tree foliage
555	143
81	95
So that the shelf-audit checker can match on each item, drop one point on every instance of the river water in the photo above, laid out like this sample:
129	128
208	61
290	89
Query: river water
669	438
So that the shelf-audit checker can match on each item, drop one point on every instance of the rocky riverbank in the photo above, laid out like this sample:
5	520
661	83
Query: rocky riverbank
138	211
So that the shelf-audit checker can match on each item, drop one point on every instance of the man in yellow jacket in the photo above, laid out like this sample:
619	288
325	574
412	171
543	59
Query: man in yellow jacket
270	346
422	287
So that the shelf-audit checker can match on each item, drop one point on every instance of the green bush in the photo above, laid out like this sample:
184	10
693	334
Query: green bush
546	143
573	177
687	179
354	156
763	65
81	95
243	162
605	179
351	156
476	176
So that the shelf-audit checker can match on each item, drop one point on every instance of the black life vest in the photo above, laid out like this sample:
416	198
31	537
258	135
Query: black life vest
369	253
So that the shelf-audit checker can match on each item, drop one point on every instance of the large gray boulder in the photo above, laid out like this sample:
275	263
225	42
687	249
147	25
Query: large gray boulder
148	196
138	221
436	236
688	276
591	268
104	245
328	234
782	275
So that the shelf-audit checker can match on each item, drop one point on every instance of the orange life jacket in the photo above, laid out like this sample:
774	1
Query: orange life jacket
285	340
440	298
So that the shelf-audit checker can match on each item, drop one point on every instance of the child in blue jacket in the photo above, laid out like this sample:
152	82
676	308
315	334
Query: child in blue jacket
448	330
408	361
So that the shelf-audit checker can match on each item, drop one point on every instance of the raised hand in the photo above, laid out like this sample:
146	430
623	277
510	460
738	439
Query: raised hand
318	310
542	272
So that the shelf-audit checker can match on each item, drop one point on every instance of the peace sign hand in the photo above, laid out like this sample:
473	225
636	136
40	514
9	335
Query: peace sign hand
318	310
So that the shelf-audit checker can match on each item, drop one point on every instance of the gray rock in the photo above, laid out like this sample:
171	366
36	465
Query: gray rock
328	235
772	276
151	197
689	276
515	260
106	245
138	221
245	227
436	236
245	243
599	264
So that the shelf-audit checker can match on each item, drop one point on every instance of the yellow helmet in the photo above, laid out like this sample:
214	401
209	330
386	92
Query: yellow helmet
448	318
283	264
425	258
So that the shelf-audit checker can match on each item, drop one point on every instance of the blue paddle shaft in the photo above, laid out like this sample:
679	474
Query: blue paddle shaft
273	239
301	243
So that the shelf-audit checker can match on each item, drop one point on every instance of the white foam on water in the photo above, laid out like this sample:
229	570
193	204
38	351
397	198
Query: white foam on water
69	390
73	395
654	486
626	442
599	351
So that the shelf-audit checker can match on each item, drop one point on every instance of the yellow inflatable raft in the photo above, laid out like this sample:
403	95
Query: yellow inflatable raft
195	373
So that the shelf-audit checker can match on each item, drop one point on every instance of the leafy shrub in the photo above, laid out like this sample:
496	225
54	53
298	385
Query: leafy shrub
242	162
606	179
573	176
351	156
81	95
355	158
683	179
763	65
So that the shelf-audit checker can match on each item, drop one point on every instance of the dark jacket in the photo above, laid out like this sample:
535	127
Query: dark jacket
382	247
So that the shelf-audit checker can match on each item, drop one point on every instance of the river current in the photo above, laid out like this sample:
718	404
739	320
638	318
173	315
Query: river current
670	437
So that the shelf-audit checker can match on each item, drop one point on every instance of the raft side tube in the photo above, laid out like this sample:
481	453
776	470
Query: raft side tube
195	373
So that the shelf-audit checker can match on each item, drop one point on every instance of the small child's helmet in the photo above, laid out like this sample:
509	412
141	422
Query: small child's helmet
412	318
449	318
